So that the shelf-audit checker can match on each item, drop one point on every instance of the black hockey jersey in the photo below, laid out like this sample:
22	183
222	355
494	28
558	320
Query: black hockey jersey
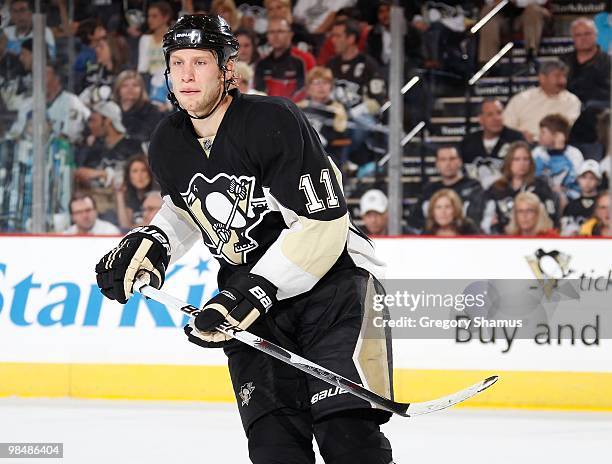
262	194
575	213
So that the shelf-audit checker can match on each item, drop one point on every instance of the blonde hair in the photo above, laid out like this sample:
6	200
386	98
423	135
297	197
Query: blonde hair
543	224
458	218
243	71
230	5
319	72
127	75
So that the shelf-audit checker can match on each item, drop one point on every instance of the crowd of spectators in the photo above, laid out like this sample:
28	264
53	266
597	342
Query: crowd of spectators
536	166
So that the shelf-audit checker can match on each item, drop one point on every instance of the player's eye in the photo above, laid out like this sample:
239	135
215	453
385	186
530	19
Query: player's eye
176	63
201	62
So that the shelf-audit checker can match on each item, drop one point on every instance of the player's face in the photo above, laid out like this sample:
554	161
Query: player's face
521	162
84	214
448	162
588	183
197	81
139	175
526	216
491	117
443	212
375	222
584	37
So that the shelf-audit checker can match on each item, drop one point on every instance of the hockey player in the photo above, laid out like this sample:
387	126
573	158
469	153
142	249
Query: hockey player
247	175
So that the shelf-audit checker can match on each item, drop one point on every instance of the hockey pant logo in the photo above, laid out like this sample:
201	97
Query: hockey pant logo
245	393
333	391
226	212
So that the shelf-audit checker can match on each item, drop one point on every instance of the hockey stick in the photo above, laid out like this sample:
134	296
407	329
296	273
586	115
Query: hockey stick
403	409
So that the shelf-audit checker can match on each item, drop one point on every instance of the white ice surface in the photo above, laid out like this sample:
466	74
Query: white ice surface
118	432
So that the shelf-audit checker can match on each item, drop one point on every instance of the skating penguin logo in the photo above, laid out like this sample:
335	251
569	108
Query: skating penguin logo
549	267
245	393
226	212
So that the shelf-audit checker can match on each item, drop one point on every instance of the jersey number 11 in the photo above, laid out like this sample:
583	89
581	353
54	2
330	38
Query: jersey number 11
314	203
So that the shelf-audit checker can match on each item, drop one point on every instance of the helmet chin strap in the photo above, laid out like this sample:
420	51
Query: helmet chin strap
176	103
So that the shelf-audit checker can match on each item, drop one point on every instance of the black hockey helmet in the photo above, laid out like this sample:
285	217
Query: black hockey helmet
204	32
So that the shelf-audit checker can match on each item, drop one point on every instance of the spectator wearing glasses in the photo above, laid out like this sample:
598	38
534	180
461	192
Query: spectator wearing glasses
529	217
283	72
85	221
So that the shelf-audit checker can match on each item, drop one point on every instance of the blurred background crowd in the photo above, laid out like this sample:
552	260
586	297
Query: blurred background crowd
522	149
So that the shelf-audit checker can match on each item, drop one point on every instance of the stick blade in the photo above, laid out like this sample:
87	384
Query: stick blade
426	407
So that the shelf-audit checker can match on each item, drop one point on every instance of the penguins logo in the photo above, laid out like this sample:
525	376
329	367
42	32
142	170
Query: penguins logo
245	393
549	267
226	212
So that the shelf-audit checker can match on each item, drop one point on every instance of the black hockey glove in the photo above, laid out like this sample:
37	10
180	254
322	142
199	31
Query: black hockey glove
246	297
144	248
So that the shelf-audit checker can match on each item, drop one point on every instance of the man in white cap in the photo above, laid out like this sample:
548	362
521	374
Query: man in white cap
373	207
580	209
102	159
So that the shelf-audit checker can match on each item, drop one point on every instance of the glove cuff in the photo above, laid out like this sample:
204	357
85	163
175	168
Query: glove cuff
259	291
157	235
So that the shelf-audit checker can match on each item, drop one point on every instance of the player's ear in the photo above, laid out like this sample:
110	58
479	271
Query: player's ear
230	70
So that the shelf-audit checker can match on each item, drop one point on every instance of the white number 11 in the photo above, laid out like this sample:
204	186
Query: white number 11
314	204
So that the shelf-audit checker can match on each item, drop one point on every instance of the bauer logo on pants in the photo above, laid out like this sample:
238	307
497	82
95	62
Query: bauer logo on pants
245	393
226	212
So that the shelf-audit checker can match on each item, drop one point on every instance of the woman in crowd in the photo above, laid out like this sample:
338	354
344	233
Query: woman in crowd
599	225
445	216
228	11
111	58
139	115
151	60
137	181
247	53
529	217
518	175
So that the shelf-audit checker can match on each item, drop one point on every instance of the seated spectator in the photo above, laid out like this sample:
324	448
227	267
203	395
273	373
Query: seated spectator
529	15
66	113
151	205
326	115
449	166
529	217
228	11
526	109
580	209
316	16
373	209
15	81
599	225
359	86
90	32
283	72
244	78
139	115
378	43
102	159
137	181
281	9
151	60
327	50
518	175
111	59
555	159
485	149
85	221
442	24
22	28
247	53
589	66
445	216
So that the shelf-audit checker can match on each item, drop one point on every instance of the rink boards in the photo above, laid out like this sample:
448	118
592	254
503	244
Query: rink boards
59	337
